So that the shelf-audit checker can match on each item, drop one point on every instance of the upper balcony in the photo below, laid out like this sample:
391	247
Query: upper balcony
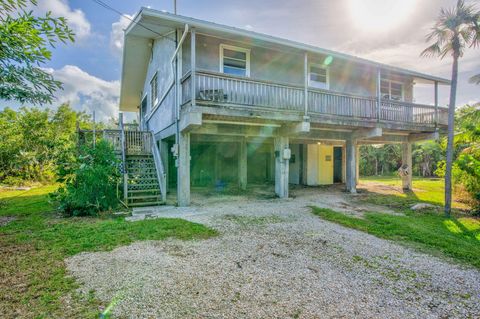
218	89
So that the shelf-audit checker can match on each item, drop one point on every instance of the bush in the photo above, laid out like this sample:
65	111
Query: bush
90	183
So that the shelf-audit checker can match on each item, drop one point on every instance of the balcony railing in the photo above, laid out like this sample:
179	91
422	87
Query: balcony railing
216	88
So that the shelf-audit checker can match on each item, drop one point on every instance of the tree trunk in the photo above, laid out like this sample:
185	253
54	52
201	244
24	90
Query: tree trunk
451	123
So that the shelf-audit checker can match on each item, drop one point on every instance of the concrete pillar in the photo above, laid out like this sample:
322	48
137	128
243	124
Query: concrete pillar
281	167
242	163
357	164
183	170
351	166
164	156
407	161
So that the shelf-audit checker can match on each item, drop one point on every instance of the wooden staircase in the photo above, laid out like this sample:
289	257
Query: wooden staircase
143	187
144	180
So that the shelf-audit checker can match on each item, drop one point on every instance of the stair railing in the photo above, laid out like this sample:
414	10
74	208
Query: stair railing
161	176
124	162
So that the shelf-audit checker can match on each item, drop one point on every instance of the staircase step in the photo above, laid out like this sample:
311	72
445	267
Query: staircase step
142	178
143	185
142	197
146	204
156	190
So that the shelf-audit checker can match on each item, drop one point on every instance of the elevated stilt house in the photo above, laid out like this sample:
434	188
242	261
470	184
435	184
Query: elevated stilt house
220	105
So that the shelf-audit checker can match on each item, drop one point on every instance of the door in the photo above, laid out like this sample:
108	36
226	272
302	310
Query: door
337	164
325	161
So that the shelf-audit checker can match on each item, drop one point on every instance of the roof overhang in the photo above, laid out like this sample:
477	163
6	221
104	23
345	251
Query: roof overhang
150	24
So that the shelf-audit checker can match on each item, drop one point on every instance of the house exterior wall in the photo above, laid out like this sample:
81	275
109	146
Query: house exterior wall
287	67
294	169
162	51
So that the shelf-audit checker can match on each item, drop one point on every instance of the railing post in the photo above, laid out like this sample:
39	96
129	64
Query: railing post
305	90
436	103
379	93
193	66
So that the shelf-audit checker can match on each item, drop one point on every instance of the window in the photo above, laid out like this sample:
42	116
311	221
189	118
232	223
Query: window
391	90
318	76
154	91
234	60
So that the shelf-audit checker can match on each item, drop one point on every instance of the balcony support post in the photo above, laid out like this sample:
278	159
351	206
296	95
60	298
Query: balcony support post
305	92
183	170
242	163
281	166
379	93
436	103
351	165
407	163
193	65
164	156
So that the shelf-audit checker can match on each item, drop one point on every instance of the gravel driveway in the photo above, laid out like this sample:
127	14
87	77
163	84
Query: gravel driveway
274	259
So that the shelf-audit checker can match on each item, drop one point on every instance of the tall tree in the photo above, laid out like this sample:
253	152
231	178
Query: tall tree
25	42
455	30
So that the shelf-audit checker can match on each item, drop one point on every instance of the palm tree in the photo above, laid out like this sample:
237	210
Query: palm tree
455	30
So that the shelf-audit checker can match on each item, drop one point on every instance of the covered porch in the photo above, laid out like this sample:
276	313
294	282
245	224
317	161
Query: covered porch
235	158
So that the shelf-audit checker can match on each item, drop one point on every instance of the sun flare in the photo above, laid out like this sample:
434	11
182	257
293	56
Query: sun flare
380	15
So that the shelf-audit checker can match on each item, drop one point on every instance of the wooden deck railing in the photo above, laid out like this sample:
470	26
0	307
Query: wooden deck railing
217	88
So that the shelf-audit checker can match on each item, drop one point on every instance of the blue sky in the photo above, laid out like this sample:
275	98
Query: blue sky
91	67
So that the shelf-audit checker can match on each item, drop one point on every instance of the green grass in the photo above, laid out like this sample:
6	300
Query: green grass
428	190
34	282
429	231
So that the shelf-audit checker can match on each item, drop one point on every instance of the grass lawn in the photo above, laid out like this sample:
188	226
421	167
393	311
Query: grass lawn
428	190
457	237
33	278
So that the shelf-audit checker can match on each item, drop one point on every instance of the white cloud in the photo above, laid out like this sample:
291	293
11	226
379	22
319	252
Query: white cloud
116	35
75	17
86	92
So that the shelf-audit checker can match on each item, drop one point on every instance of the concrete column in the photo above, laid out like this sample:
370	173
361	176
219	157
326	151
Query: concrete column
164	156
242	163
407	160
351	166
281	167
183	170
357	164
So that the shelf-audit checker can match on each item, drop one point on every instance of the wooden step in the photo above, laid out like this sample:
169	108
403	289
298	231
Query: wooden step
156	190
143	185
146	204
129	198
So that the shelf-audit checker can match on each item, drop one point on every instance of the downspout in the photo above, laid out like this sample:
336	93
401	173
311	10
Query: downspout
174	61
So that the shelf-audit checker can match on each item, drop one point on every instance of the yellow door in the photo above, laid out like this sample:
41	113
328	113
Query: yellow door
325	164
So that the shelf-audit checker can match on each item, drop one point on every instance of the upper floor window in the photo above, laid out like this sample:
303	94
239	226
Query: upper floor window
154	90
318	76
391	90
234	60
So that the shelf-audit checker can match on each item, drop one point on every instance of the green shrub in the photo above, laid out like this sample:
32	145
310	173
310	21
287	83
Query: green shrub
90	182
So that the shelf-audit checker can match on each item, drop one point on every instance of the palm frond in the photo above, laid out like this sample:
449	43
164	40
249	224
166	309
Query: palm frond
475	79
432	50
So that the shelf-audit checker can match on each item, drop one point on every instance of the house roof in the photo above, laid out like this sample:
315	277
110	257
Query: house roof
150	24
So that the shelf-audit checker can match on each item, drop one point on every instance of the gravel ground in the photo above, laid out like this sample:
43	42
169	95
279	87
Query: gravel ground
274	259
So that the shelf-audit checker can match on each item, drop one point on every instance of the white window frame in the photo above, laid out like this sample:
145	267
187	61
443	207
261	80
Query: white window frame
327	72
154	100
239	49
402	98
